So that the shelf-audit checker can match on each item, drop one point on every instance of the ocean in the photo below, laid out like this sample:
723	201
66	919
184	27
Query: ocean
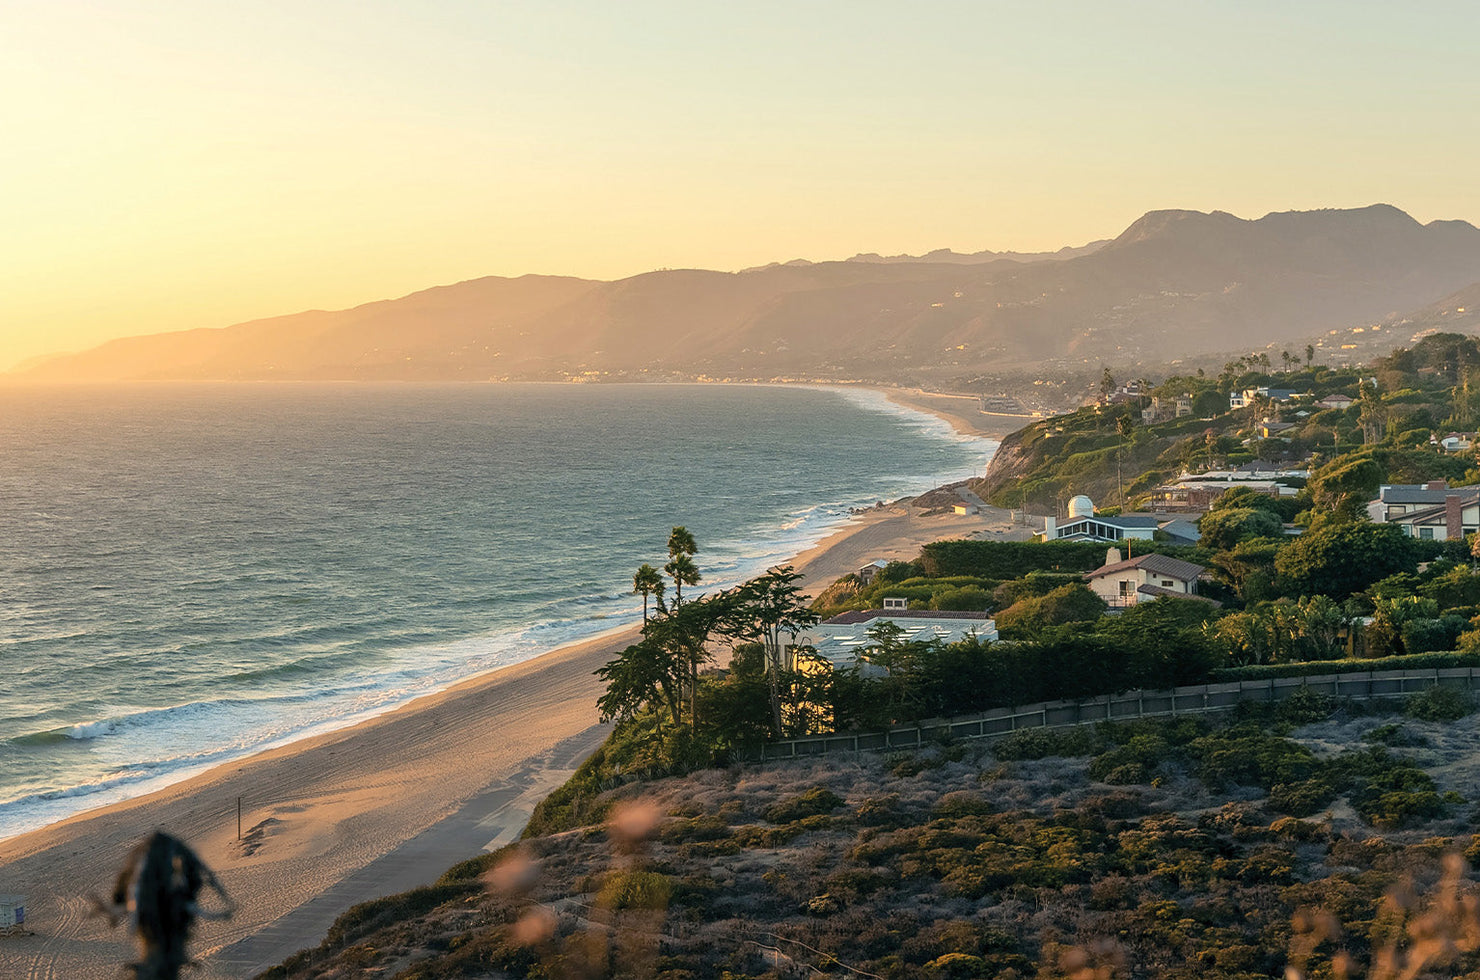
190	573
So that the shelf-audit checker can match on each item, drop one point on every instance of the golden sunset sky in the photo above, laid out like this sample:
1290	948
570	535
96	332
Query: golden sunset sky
171	164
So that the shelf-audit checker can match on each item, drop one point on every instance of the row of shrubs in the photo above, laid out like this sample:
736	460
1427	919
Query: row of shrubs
1413	661
1387	790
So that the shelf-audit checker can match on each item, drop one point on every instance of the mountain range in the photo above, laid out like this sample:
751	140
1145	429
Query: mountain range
1173	284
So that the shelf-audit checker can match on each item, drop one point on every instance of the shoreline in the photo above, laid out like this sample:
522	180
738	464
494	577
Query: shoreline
370	809
905	402
961	412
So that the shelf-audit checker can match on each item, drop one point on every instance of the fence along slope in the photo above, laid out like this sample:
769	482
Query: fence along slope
1193	699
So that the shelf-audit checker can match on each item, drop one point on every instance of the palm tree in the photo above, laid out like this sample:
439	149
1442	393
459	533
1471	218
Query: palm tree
681	567
683	571
1124	426
1373	417
647	582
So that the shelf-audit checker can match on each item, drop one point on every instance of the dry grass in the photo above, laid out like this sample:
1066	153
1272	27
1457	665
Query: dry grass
913	877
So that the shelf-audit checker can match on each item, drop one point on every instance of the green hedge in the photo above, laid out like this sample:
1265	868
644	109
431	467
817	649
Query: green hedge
1416	661
1013	559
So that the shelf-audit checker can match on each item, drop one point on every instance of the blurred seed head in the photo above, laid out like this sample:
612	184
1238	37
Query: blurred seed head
632	823
535	928
515	875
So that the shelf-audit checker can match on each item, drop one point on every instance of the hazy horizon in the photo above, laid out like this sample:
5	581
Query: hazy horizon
188	166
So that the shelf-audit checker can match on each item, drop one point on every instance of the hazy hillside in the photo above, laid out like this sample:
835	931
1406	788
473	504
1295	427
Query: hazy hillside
1458	312
1173	284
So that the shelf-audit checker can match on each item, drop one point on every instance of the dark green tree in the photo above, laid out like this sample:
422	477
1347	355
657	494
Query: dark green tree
1073	603
683	636
1222	529
645	676
1339	559
767	610
647	582
1343	485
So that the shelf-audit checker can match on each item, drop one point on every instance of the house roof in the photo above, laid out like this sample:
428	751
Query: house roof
1412	494
1123	521
1157	564
864	615
1186	530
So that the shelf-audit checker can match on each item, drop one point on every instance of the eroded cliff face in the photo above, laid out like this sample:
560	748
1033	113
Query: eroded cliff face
1009	464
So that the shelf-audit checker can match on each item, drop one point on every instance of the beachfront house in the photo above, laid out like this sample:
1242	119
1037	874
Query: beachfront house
1125	583
842	640
868	572
1083	524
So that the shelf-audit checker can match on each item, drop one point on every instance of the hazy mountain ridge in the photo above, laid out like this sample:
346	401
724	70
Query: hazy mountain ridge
1173	283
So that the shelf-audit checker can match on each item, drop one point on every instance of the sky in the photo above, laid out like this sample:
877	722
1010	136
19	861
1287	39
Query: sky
173	164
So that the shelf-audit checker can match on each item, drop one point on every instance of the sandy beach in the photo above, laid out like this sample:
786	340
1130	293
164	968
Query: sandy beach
963	412
366	811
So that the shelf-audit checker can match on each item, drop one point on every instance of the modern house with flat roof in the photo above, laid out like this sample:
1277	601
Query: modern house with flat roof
1083	524
842	639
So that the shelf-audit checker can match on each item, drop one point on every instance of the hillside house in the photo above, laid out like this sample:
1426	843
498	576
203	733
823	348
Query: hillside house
1125	583
1083	524
1245	398
1456	517
1167	408
1456	442
1336	401
1398	499
1194	495
867	573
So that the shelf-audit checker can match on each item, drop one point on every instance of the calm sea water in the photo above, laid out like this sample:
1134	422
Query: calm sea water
189	573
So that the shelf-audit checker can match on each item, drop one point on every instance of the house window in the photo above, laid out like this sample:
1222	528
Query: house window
1166	583
1127	588
1426	533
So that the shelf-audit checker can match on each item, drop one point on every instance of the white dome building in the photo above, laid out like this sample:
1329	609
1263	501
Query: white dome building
1083	525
